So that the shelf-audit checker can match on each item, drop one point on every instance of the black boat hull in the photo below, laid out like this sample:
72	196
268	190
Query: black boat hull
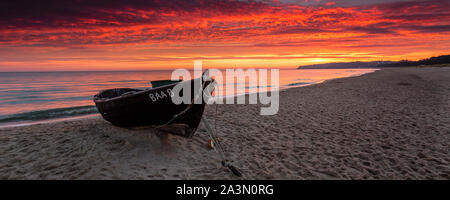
152	107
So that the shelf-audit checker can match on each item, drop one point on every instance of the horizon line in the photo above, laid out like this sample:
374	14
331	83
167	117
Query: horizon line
146	70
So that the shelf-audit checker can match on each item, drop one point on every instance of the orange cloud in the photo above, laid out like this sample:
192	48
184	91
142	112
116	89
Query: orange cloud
159	34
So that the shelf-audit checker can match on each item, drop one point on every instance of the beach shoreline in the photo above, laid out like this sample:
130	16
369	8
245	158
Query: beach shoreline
59	114
389	124
52	96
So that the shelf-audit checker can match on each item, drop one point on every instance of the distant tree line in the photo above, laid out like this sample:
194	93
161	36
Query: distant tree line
444	59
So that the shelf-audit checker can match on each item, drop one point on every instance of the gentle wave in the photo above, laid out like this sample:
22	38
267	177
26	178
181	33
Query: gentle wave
49	114
300	83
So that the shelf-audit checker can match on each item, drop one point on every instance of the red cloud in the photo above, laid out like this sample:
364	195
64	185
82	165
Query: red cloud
67	23
211	23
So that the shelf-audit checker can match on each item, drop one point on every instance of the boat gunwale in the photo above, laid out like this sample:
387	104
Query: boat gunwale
103	100
161	80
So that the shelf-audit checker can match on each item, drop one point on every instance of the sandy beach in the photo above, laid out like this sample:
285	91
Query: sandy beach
390	124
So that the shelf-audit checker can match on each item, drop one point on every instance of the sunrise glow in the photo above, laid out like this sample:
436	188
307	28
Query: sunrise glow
144	35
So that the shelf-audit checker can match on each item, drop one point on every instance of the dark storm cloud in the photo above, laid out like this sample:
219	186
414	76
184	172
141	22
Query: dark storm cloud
69	23
57	13
430	29
371	30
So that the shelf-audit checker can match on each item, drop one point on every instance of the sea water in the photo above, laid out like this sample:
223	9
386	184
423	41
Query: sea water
33	96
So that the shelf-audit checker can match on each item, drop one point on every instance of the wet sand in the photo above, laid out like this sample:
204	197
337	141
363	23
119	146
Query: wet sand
390	124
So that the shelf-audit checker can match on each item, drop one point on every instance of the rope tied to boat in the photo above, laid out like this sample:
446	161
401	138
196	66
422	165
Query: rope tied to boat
199	92
213	134
217	145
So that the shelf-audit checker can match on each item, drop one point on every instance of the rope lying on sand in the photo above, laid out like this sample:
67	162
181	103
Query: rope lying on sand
219	148
216	142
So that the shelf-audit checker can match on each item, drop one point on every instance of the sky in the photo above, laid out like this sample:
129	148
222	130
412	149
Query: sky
66	35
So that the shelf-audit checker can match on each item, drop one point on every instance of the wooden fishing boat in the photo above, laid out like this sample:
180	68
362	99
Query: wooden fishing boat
126	107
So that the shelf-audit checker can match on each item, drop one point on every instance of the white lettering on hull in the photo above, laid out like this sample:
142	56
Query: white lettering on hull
156	96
